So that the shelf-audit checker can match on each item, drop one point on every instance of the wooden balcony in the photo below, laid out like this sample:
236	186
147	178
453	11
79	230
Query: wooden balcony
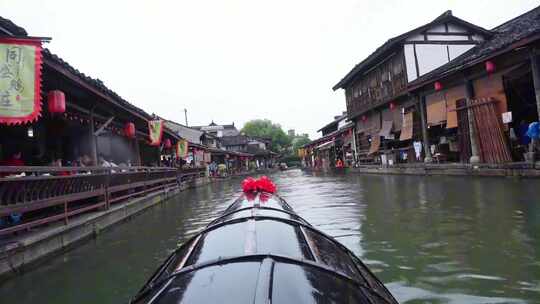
35	196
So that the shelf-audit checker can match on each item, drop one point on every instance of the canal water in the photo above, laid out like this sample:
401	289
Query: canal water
430	239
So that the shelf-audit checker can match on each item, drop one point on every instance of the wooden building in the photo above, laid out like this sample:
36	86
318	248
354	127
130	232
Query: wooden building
488	93
80	128
93	124
413	91
335	145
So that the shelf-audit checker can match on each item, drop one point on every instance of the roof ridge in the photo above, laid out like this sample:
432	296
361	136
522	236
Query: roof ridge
389	43
517	29
515	18
10	26
446	14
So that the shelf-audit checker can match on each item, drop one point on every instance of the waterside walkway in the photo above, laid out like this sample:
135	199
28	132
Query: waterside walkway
526	170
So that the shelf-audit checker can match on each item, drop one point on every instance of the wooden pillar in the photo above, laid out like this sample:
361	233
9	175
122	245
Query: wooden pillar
93	141
469	95
137	160
425	135
535	68
354	147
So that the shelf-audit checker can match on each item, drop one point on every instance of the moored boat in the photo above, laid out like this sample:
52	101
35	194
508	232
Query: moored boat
260	251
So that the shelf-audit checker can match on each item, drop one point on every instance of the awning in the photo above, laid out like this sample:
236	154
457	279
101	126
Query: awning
451	114
452	96
325	146
375	144
407	128
386	128
436	109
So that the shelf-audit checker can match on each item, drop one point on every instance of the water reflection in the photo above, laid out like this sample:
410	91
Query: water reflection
435	239
430	239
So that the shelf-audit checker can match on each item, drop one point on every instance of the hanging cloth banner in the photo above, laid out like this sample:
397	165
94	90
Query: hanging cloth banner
407	127
182	148
155	131
20	80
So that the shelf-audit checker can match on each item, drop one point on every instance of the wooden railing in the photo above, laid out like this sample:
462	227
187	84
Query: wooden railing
35	196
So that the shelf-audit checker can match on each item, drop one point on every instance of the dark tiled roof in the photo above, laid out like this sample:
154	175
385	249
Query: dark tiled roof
193	136
504	36
389	45
344	129
258	151
234	140
262	139
12	28
334	122
16	30
96	83
213	124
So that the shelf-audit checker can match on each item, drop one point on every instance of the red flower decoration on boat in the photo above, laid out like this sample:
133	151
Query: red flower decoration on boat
249	185
263	184
250	196
264	197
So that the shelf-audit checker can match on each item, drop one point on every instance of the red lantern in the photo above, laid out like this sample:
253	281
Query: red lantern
167	143
57	102
438	86
490	67
392	105
129	130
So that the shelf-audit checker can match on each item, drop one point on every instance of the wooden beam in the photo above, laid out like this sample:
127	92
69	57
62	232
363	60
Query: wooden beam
535	68
417	66
448	33
103	126
445	42
469	94
43	39
93	141
425	135
137	152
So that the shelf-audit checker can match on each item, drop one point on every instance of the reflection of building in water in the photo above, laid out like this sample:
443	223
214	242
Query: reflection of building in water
435	232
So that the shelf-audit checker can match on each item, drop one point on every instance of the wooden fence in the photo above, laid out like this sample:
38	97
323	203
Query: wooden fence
35	196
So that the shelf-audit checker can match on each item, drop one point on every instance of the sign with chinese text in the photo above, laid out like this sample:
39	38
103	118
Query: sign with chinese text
20	80
155	129
182	148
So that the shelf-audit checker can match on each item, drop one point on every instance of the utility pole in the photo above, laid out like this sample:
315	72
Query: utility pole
185	115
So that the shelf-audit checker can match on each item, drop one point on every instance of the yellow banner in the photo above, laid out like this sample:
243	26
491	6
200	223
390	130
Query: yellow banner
155	130
182	148
20	80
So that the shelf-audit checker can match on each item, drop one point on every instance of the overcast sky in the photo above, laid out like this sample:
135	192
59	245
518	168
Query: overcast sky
234	60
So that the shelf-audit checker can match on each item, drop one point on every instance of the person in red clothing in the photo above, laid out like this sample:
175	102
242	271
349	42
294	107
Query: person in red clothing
15	160
339	163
